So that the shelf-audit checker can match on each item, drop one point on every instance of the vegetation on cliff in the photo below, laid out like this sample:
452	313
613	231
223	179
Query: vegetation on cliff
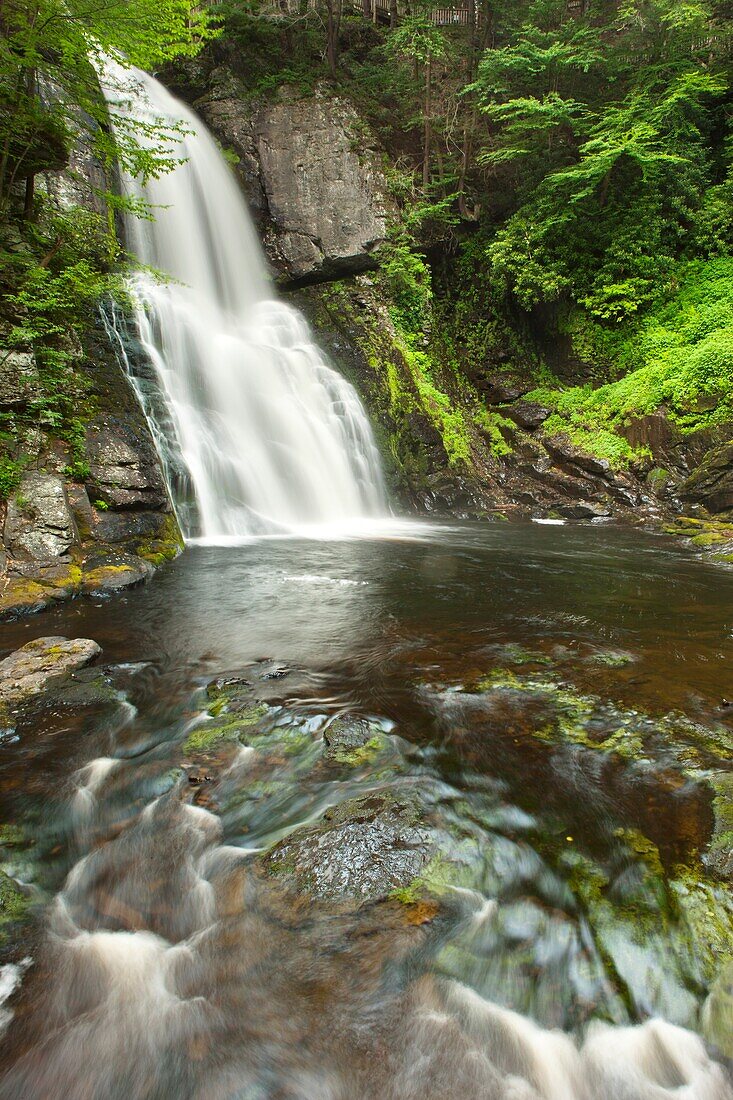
59	259
563	172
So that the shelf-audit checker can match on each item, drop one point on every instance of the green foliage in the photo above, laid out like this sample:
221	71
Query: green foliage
680	356
60	44
406	279
611	119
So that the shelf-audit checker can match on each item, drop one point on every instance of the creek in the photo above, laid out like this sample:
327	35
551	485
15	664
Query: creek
548	702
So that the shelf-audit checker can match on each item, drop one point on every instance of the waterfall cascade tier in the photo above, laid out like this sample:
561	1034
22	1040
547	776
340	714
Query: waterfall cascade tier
272	438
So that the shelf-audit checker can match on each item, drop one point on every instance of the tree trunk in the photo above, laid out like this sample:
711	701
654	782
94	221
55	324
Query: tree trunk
427	136
392	14
29	196
333	24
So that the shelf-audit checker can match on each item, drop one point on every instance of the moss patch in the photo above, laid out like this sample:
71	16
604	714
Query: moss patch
206	736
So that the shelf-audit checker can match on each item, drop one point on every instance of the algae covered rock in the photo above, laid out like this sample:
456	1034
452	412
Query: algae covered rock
41	665
363	849
352	741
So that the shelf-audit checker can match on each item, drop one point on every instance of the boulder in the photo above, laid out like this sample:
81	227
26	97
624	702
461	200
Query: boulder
19	381
106	572
364	849
41	665
563	451
527	414
350	740
499	389
40	523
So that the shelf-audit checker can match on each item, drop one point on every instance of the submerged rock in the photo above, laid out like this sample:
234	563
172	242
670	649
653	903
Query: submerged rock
352	741
363	849
43	664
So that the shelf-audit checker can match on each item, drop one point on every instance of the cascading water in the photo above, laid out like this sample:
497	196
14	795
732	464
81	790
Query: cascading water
272	437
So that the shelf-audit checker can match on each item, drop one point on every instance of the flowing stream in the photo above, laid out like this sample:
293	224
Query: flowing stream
562	747
270	437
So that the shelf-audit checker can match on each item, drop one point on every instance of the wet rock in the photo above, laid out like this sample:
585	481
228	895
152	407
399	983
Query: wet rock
527	414
13	906
41	665
40	523
499	389
111	572
230	693
363	849
116	527
124	472
717	1013
711	484
718	859
566	452
351	740
584	510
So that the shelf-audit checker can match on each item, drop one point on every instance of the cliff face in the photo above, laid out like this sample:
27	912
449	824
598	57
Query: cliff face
456	430
311	172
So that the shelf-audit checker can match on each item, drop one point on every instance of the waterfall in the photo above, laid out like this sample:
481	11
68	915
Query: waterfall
272	438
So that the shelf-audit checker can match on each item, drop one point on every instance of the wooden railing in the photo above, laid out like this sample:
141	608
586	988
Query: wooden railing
454	16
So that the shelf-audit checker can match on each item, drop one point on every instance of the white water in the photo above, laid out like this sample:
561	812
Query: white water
273	438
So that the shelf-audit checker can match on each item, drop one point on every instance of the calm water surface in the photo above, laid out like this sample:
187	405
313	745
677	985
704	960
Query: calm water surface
571	952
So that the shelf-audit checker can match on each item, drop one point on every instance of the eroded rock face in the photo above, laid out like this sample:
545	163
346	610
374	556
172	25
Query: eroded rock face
363	849
311	179
124	468
19	382
41	664
711	484
40	523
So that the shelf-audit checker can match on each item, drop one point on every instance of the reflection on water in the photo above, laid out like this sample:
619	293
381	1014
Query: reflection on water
552	698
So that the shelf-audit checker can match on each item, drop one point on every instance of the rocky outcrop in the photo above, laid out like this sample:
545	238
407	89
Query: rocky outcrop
40	665
711	484
312	176
64	536
40	523
124	471
19	381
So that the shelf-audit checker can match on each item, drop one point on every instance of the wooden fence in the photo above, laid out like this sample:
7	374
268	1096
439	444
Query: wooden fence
379	10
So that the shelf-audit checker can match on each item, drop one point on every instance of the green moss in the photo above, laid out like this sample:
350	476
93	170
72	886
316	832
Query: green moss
519	655
165	547
13	905
363	754
612	659
206	736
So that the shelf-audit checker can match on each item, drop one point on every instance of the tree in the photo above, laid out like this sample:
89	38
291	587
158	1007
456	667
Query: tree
50	54
601	129
418	40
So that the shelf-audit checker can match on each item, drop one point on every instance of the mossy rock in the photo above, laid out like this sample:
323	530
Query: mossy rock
353	742
227	727
13	907
361	850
